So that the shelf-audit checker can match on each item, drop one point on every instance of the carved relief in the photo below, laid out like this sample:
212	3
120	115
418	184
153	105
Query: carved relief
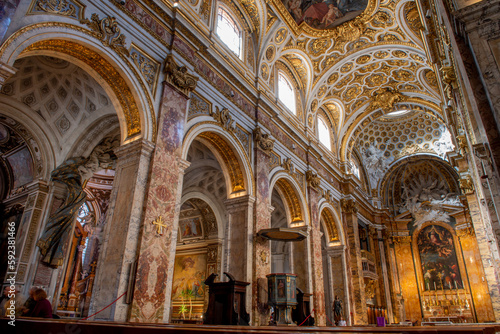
108	32
466	232
263	141
148	67
385	99
72	8
348	205
312	179
178	77
466	185
223	117
401	240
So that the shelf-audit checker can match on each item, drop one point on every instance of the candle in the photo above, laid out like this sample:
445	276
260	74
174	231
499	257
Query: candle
435	286
428	286
455	284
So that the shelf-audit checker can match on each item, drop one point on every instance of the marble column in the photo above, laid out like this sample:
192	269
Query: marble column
30	226
153	282
315	235
122	229
475	275
261	247
385	276
407	277
239	239
350	218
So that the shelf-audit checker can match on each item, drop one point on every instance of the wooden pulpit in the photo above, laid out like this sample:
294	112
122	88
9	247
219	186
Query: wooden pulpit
226	302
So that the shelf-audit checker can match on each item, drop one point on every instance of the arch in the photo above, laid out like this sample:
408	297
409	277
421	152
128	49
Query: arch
287	188
332	223
228	151
117	76
217	210
21	113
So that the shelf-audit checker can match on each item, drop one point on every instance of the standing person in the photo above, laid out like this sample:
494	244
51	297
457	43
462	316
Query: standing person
42	309
337	310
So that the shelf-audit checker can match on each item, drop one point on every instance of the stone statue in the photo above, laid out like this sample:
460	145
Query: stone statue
337	310
375	163
72	173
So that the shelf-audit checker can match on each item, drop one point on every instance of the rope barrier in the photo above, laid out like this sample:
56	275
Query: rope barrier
90	316
307	317
329	320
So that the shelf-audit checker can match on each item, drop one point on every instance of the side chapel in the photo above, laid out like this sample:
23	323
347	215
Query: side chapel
144	145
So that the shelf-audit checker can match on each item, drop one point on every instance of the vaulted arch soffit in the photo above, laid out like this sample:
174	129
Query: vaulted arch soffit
292	197
329	219
114	70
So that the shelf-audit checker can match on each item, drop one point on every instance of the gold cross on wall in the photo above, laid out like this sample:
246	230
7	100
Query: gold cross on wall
159	225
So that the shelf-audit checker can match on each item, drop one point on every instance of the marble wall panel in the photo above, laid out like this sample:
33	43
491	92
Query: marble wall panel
408	281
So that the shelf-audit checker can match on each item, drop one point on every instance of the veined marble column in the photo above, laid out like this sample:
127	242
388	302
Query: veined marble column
359	310
121	231
261	247
153	282
318	288
240	229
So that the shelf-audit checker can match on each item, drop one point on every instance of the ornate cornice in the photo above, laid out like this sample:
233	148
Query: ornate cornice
178	77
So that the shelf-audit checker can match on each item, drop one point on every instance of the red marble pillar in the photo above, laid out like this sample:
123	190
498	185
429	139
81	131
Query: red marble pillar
316	259
153	283
262	251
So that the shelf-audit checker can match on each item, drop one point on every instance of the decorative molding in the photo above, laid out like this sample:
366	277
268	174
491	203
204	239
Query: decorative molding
348	205
401	239
178	77
385	99
72	9
466	185
223	117
263	141
148	67
108	32
313	180
412	149
466	232
274	161
6	72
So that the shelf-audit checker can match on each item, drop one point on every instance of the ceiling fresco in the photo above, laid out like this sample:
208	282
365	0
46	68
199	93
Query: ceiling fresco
324	14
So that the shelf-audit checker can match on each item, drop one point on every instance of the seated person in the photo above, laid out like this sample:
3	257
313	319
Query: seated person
42	309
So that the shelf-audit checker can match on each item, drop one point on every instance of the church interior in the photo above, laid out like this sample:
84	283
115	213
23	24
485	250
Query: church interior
333	162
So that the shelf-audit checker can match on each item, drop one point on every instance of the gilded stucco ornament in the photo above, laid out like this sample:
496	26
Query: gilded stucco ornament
412	149
178	77
348	205
263	141
385	99
466	185
223	117
108	32
466	232
73	8
401	239
312	179
287	165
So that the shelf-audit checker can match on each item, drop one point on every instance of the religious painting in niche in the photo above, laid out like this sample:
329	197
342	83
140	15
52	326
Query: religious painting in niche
324	14
189	277
438	259
190	228
22	167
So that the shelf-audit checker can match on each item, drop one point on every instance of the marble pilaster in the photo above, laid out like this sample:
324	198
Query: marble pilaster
350	218
261	247
153	282
122	230
315	235
385	276
338	269
240	228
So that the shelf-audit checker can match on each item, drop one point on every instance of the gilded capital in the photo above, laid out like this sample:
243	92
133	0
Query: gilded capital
178	77
466	185
465	232
312	179
348	205
401	239
263	141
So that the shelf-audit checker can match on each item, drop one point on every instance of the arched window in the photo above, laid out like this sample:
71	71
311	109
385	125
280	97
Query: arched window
286	93
324	133
228	31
